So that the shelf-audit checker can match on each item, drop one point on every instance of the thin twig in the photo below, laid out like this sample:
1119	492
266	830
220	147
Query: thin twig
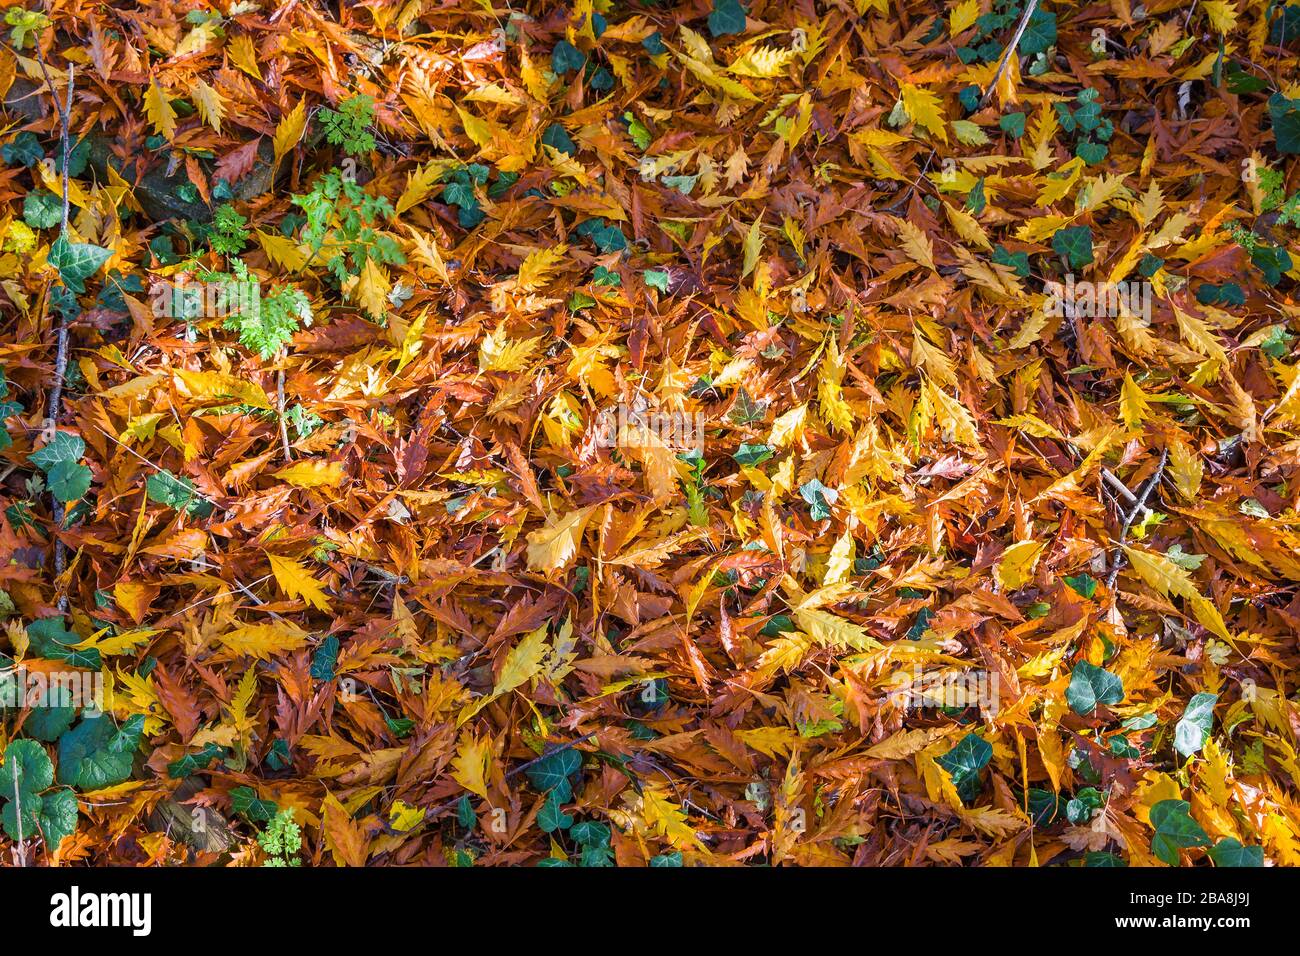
279	404
1118	561
20	850
1010	51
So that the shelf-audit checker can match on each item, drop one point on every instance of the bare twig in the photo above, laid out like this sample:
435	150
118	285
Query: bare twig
279	405
1010	51
20	851
1118	561
1120	487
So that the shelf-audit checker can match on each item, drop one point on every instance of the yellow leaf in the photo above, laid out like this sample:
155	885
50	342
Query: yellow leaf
762	62
962	16
159	110
470	765
209	102
968	227
830	397
1186	469
953	418
915	243
372	289
1133	405
413	340
243	55
216	387
667	819
535	270
282	251
297	582
552	548
523	662
403	817
263	640
1016	567
477	129
772	741
427	251
419	184
499	353
840	562
1171	579
831	631
1223	15
925	109
289	130
753	247
243	699
312	474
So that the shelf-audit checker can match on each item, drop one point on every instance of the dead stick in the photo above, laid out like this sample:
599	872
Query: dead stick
1010	51
1118	562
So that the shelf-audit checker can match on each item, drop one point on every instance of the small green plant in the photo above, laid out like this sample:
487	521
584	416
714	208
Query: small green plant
264	323
281	840
27	25
348	126
228	235
1092	131
343	223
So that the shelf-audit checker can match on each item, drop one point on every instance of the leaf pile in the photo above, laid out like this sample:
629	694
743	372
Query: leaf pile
956	573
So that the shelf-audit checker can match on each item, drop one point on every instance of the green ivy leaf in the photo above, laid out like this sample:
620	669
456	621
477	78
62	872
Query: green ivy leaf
964	763
1193	730
1040	33
1084	584
1229	852
65	446
748	455
31	805
69	480
49	722
1285	114
1013	124
553	772
656	279
1074	245
1090	686
246	802
728	17
77	261
552	816
1174	830
193	763
819	498
565	57
176	492
24	150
